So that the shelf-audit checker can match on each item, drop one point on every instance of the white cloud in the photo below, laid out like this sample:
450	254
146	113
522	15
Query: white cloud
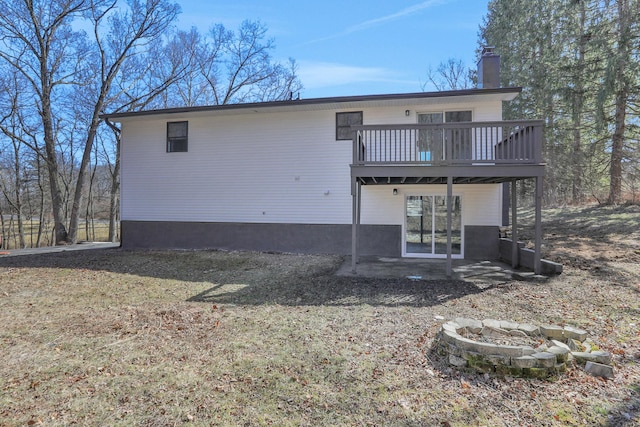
411	10
408	11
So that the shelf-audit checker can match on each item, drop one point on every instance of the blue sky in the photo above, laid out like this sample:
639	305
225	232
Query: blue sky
354	47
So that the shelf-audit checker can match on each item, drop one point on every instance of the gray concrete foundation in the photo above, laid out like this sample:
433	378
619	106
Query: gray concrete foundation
383	240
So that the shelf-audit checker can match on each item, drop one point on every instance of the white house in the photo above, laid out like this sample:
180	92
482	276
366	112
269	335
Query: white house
359	174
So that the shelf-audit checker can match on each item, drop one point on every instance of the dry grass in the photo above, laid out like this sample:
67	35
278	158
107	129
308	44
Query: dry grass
214	338
98	231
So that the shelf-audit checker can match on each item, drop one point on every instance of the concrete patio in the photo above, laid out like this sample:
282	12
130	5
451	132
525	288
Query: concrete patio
488	272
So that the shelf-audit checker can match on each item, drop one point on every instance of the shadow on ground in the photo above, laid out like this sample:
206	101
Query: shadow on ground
336	291
249	278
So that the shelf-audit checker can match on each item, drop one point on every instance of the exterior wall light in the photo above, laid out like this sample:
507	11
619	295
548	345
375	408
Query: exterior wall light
395	191
407	113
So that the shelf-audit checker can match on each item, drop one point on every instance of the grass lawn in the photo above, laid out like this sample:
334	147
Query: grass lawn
164	338
98	231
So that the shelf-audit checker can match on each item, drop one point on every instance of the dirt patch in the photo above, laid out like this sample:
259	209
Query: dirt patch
170	338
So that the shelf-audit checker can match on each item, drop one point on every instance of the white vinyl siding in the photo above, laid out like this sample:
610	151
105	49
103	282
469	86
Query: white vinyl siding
270	167
481	203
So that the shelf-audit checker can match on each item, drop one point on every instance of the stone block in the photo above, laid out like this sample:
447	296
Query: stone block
530	330
552	331
599	369
471	355
472	325
510	350
489	331
466	344
535	373
575	345
603	357
527	350
486	348
492	323
449	336
524	362
562	354
497	359
560	344
442	351
482	365
560	368
589	345
506	370
456	361
453	349
505	324
545	360
583	357
451	326
517	333
575	333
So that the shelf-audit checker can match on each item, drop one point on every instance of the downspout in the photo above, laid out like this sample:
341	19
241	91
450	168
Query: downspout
354	226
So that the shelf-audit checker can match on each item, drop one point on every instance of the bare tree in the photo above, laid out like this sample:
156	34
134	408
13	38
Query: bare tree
237	66
82	59
621	77
130	32
450	75
38	41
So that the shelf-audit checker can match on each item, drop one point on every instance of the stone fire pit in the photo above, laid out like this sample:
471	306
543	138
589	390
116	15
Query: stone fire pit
522	350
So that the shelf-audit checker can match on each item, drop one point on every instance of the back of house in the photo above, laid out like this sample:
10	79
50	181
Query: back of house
414	175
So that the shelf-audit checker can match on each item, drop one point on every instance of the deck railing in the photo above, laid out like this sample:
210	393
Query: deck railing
473	143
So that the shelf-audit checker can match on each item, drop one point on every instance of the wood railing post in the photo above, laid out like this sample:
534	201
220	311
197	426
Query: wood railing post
354	138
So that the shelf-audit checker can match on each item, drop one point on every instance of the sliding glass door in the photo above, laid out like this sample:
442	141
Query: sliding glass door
425	231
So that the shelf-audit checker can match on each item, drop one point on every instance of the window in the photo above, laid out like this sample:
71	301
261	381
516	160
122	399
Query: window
344	122
177	137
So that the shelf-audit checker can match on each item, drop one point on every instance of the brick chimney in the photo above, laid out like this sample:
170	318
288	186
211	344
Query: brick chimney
488	69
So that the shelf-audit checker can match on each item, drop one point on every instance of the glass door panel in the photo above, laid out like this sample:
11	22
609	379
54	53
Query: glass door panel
418	236
440	229
426	226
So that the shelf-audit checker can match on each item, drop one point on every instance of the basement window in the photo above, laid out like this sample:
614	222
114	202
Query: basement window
177	137
344	122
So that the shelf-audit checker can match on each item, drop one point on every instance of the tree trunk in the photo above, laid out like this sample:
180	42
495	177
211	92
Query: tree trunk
617	147
57	199
578	105
114	203
115	188
82	180
622	93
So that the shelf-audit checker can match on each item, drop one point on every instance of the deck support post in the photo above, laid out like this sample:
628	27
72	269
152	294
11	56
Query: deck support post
449	223
355	223
537	263
515	258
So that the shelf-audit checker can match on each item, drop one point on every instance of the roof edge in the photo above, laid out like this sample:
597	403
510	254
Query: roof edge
312	101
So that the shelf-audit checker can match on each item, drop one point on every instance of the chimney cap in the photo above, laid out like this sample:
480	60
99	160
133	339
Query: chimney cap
488	50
